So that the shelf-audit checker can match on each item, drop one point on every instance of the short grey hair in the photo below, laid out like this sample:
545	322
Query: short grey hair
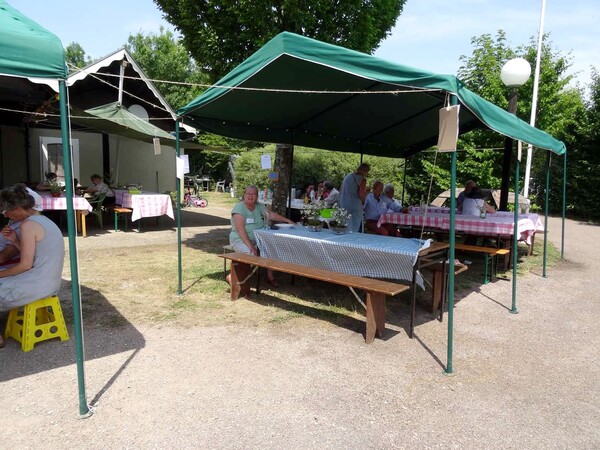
388	187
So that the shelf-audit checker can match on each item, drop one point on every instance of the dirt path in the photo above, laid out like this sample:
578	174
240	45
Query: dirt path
529	380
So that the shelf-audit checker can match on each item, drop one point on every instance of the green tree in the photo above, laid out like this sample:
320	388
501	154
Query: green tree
560	112
163	57
220	35
76	57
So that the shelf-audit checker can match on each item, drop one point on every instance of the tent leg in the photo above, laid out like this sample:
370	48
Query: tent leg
179	270
84	409
564	207
515	242
546	214
452	237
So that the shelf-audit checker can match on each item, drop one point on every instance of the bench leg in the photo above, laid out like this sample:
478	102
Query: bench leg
375	316
437	291
486	260
239	272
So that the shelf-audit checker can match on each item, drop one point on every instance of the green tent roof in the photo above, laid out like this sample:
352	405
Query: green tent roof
297	90
27	49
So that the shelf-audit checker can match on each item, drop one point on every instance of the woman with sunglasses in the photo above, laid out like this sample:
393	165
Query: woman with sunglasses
39	270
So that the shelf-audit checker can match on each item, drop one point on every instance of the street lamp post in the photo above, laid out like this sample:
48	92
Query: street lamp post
514	73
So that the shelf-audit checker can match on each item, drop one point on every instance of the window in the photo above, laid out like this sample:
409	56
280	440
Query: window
52	157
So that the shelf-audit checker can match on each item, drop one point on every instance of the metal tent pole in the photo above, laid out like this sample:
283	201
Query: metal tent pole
452	245
564	207
178	190
403	182
515	242
546	213
84	409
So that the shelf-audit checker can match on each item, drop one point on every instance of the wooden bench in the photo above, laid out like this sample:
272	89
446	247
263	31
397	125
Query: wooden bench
487	253
439	285
376	289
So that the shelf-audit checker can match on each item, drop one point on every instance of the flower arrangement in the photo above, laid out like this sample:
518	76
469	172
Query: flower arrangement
55	188
340	218
312	213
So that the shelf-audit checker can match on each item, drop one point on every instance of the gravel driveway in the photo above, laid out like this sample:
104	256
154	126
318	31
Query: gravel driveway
530	380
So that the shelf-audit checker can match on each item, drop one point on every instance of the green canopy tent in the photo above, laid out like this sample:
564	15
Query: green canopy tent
296	90
32	55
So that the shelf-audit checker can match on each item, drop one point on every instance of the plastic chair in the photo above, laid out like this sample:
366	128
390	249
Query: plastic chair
97	205
220	185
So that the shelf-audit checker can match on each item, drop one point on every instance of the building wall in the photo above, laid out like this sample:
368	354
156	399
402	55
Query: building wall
13	156
134	162
131	161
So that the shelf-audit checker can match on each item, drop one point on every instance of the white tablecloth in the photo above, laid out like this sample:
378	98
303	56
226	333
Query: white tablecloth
146	204
365	255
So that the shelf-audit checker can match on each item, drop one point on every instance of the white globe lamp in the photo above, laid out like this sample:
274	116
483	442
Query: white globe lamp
515	72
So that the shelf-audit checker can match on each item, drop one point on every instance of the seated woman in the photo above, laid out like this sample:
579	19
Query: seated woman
246	217
99	187
474	203
51	178
38	273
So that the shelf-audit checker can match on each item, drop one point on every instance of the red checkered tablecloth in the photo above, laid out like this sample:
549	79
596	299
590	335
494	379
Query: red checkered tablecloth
415	220
49	202
146	204
495	224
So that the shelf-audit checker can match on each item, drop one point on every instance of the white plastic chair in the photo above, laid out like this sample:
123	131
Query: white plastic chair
221	185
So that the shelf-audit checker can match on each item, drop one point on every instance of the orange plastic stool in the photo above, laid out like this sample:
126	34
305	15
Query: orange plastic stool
36	322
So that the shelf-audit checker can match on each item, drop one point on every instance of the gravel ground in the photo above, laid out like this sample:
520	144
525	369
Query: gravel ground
529	380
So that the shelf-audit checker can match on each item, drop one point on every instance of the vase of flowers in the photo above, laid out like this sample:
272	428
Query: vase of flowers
340	218
312	215
55	188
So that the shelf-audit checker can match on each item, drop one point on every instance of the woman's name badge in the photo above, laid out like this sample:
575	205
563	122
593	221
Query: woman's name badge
250	220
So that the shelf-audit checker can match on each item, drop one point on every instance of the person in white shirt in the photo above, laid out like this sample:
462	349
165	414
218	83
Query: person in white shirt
388	198
375	206
333	195
99	187
474	203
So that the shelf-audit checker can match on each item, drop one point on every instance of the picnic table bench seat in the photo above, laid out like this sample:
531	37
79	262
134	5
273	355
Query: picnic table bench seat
489	255
376	290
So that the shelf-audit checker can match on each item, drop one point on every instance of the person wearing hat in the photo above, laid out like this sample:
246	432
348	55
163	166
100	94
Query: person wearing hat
474	203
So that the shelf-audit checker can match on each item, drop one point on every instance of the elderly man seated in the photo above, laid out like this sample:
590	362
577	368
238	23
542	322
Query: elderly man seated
375	206
388	198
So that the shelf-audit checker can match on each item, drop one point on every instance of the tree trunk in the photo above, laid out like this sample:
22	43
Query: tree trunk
281	187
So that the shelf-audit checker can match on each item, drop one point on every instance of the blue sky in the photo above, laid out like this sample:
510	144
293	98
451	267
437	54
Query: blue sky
430	34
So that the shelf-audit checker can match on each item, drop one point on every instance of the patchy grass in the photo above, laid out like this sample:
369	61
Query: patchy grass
139	285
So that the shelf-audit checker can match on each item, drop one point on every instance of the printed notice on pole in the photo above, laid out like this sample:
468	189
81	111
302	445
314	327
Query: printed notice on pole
448	133
265	162
180	165
186	163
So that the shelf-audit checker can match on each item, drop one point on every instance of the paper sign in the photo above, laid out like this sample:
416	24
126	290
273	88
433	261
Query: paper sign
448	133
180	165
519	150
186	163
265	161
157	149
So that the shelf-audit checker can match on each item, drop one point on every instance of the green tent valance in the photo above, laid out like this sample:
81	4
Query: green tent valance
297	90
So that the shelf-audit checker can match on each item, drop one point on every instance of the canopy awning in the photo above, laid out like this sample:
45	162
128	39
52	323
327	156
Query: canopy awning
297	90
112	118
28	49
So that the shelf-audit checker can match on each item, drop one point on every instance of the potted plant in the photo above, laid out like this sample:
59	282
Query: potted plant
312	215
55	188
339	219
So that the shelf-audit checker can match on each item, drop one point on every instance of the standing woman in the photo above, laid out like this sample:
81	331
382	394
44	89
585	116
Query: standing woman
353	193
38	273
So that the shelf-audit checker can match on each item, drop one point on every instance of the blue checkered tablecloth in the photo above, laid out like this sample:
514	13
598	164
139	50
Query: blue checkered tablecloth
366	255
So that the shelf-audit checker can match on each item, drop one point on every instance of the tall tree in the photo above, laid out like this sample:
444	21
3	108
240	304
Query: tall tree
220	35
560	106
163	57
76	57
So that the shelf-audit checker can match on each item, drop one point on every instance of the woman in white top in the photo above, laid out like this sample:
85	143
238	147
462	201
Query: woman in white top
474	202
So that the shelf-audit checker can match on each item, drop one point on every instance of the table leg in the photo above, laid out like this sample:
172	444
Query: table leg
437	290
375	316
239	272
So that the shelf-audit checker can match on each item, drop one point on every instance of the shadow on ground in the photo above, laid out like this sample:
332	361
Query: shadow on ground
112	335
